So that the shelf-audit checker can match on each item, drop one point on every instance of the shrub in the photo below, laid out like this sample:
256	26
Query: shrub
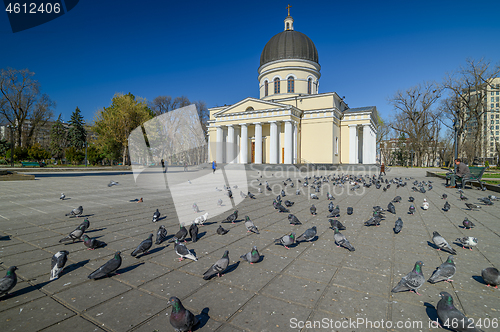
74	155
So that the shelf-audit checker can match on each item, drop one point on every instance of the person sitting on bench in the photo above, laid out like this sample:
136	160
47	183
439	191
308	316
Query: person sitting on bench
462	170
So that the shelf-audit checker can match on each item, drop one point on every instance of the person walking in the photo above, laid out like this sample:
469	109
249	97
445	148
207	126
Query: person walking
214	166
382	169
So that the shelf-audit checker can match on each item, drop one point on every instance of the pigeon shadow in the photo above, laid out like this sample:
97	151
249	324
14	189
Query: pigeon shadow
479	279
129	268
432	245
4	238
232	267
73	267
161	218
28	289
134	200
168	237
83	216
155	250
96	230
202	234
209	223
431	312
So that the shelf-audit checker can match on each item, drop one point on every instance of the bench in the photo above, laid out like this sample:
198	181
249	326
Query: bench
32	163
476	174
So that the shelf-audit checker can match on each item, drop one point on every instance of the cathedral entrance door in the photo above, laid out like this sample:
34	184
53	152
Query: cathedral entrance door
253	152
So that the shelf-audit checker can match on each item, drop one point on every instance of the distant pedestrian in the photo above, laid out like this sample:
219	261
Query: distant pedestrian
214	166
382	169
185	166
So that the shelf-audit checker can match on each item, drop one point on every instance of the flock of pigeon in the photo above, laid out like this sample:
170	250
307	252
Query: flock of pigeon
183	320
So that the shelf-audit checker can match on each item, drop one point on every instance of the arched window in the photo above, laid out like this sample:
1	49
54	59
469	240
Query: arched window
266	89
291	85
287	26
276	85
309	86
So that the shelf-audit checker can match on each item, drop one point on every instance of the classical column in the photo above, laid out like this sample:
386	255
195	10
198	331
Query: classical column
373	144
274	143
219	145
230	144
295	129
367	144
280	143
353	138
244	143
288	142
258	143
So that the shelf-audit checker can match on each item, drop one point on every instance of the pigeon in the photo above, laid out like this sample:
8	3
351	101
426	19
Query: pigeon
180	235
398	226
492	198
446	206
76	212
156	215
201	219
411	209
412	281
109	267
349	210
411	199
373	221
242	194
341	240
112	183
463	198
491	276
252	196
92	244
330	207
181	319
9	281
221	231
308	235
75	235
251	256
297	192
294	220
444	272
283	193
313	196
330	197
422	190
335	223
335	213
451	317
218	268
193	232
442	243
471	206
143	247
62	196
486	201
183	251
250	225
288	203
468	224
232	217
444	196
281	208
467	241
85	224
425	205
312	209
286	240
219	202
259	190
397	199
196	209
161	235
57	263
391	208
229	193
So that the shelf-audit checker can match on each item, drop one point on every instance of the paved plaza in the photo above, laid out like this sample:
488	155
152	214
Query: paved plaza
312	281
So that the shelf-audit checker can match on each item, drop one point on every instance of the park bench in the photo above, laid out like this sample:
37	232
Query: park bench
32	163
476	174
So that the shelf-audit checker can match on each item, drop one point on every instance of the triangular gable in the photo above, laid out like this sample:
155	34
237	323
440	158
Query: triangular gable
256	104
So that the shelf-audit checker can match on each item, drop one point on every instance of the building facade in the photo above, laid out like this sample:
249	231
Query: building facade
292	122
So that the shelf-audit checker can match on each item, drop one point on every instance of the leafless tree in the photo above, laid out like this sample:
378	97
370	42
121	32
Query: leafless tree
22	104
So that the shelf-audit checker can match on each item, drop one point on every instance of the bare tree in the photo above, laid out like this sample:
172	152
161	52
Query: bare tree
415	116
382	134
161	105
22	104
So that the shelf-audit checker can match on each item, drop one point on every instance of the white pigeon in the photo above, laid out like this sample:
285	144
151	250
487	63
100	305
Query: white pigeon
62	196
201	219
425	204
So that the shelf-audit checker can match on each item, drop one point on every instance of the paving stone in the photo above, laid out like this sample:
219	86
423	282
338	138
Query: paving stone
175	283
74	324
22	293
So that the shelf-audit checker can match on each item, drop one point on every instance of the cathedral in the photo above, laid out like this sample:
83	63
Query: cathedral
291	122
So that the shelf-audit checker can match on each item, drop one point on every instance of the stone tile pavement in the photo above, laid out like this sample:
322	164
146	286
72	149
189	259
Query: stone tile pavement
315	282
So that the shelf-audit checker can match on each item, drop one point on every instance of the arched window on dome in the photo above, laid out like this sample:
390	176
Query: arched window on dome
309	86
291	85
266	88
276	85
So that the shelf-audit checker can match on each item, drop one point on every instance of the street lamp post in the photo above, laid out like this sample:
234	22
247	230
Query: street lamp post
11	144
455	124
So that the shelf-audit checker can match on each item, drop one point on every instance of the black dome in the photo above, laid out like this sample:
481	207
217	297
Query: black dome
289	44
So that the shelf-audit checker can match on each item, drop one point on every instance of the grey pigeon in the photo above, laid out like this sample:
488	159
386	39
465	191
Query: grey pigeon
193	232
62	196
283	193
422	190
444	196
85	224
411	209
391	208
286	240
161	235
109	267
463	198
242	194
196	209
112	183
57	263
221	231
9	281
312	209
288	203
412	281
451	317
250	225
281	208
398	226
92	244
330	197
350	210
442	243
444	272
336	223
218	268
313	196
486	200
219	202
180	235
183	251
411	199
467	241
341	240
330	207
467	223
471	206
144	246
181	319
446	206
493	198
75	235
297	192
373	221
76	212
293	220
252	256
397	199
308	235
334	213
252	196
156	215
491	276
232	217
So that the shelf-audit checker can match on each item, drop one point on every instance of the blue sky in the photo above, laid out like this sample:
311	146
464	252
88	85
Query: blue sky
210	50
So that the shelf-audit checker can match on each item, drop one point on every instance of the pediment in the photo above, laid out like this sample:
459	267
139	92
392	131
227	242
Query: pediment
251	105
